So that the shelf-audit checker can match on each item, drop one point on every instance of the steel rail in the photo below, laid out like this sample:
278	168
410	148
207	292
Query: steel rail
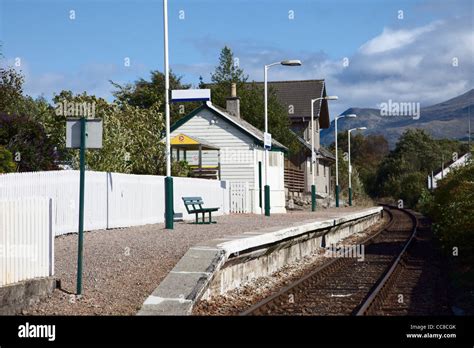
366	305
319	270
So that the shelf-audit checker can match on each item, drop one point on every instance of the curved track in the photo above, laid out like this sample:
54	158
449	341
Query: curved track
347	285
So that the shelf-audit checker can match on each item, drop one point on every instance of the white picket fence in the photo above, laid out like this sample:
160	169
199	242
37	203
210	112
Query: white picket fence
240	197
111	199
26	239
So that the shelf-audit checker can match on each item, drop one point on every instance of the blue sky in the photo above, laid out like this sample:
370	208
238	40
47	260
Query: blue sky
409	59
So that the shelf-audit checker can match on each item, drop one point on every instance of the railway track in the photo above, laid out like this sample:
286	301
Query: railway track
418	283
349	285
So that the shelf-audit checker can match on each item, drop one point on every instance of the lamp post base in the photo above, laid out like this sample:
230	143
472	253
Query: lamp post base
267	200
313	197
350	196
169	210
337	196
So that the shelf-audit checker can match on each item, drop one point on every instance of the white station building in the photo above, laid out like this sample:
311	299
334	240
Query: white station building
219	144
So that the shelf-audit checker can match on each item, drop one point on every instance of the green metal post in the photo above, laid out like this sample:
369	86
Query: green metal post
350	196
80	243
169	209
267	200
337	196
260	184
313	197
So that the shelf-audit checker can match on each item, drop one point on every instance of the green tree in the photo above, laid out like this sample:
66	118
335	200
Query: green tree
226	73
144	94
403	173
27	140
11	90
251	99
131	137
12	98
358	190
367	152
452	212
7	165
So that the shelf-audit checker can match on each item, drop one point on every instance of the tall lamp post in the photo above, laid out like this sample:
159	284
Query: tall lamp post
350	167
313	153
337	163
169	213
292	62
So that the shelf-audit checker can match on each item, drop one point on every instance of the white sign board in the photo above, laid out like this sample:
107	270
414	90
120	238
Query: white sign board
181	95
267	141
93	133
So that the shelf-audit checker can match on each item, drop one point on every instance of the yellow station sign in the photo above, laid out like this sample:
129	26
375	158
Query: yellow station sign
182	139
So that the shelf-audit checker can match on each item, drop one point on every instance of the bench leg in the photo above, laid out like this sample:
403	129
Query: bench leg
210	219
197	219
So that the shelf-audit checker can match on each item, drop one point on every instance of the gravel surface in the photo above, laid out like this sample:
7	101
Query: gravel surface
123	266
238	300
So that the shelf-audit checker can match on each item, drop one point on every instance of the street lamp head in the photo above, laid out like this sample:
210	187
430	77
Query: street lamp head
358	128
331	97
291	62
350	115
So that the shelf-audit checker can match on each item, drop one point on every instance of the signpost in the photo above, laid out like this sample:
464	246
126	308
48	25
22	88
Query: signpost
177	95
82	133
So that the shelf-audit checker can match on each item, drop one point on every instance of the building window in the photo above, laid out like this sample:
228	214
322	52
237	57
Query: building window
273	158
324	168
326	188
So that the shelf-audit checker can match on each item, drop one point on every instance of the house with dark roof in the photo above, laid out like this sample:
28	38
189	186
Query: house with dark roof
295	97
219	144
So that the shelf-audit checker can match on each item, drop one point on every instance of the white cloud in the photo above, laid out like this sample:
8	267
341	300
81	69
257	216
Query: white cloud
411	65
395	39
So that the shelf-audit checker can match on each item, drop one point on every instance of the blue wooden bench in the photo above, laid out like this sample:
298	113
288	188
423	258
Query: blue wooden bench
194	205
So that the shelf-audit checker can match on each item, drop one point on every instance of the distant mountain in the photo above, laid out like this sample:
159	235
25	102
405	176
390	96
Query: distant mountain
448	119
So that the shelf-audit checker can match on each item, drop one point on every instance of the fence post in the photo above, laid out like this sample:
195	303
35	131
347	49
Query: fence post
52	234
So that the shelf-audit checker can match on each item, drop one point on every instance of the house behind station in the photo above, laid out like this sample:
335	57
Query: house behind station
295	97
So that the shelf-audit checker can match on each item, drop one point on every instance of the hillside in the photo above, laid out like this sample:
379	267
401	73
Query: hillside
448	119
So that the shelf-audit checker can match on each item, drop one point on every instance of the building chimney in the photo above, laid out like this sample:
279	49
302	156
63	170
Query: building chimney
233	102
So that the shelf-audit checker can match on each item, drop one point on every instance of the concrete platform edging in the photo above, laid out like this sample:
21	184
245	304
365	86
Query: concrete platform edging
221	264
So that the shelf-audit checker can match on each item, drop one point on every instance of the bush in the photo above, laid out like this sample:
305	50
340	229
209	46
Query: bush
453	212
402	174
180	168
131	140
26	139
412	187
7	165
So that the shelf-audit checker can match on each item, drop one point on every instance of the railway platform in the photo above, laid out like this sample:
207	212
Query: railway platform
218	265
123	266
